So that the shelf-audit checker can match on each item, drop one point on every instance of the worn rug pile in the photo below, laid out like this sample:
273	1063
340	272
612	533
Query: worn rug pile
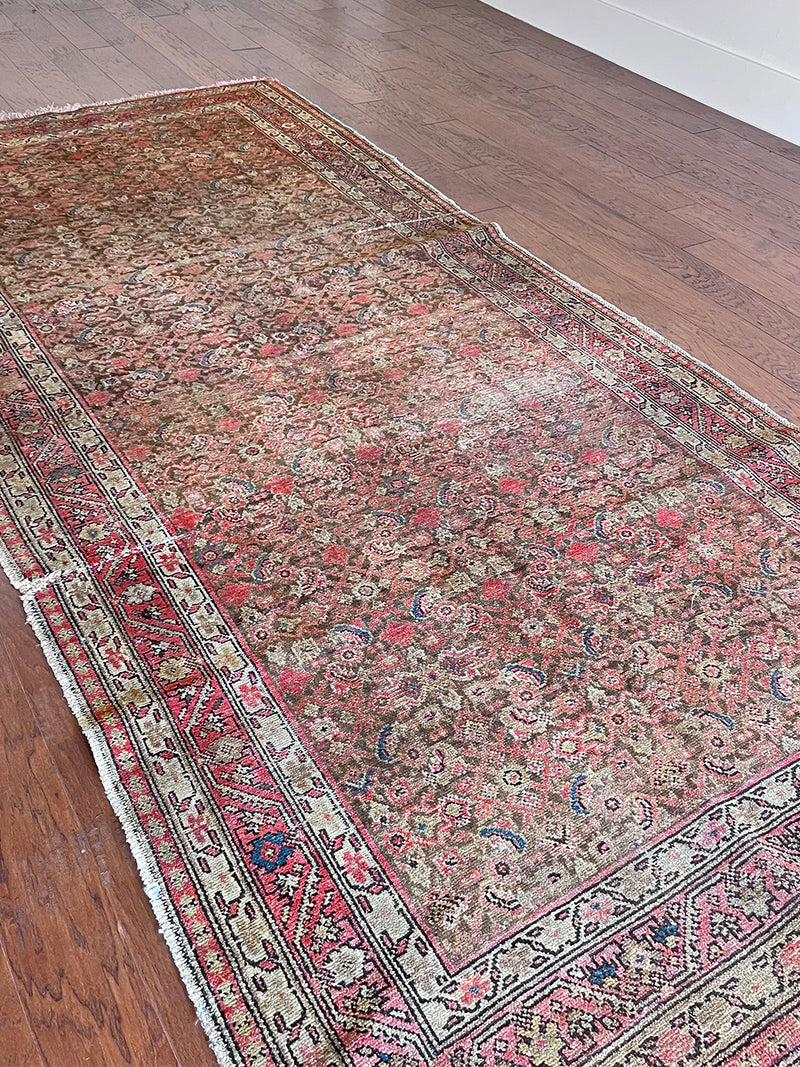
434	625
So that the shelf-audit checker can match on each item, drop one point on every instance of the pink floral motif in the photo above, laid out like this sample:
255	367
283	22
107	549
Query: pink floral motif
674	1045
97	398
583	552
185	518
356	866
669	517
399	633
236	593
293	681
426	517
250	695
496	589
473	988
336	554
712	833
790	955
512	485
598	909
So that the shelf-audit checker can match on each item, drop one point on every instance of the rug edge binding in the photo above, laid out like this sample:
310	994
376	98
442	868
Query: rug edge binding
169	925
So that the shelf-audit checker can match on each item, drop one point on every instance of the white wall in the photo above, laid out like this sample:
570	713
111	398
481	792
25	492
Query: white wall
740	56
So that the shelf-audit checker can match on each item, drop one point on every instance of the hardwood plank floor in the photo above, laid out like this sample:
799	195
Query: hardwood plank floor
686	218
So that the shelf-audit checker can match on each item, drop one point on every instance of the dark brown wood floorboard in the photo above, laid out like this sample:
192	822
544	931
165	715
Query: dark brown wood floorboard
687	219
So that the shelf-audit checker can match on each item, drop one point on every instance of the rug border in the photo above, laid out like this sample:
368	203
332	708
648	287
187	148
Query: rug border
152	880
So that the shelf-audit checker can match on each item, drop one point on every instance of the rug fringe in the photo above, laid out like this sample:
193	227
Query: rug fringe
169	925
66	109
564	277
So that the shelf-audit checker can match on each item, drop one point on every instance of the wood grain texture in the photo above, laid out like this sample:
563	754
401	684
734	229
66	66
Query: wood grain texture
17	1039
687	219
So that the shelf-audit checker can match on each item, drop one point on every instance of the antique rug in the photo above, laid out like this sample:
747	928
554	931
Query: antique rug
434	625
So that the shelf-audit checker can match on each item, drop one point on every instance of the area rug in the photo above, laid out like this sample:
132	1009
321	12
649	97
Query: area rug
434	625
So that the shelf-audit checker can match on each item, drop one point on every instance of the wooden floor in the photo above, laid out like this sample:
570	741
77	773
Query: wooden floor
685	218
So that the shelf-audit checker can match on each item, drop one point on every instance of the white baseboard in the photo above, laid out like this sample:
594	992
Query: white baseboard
736	84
